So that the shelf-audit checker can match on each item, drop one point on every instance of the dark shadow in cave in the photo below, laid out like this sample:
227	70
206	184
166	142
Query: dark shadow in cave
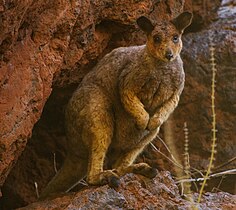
36	164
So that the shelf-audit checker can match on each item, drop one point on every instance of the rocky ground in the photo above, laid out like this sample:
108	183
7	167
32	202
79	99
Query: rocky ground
136	192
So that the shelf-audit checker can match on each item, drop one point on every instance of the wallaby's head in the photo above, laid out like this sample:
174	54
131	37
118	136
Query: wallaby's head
164	39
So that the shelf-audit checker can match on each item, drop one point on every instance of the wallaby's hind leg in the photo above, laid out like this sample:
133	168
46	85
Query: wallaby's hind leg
125	163
72	170
100	143
98	131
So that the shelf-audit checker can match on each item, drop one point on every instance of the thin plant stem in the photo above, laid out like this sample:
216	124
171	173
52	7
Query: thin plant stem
213	145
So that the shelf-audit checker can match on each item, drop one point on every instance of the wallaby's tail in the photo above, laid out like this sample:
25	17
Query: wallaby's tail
72	171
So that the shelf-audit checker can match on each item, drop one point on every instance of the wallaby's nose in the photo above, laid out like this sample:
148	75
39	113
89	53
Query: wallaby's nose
169	55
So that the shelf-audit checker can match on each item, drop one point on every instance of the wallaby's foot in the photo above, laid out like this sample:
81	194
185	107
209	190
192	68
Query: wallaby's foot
139	168
106	177
145	170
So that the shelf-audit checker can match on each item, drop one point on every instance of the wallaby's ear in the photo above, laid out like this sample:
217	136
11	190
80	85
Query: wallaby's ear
183	21
145	24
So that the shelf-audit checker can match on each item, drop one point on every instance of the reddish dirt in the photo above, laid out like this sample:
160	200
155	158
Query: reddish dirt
135	192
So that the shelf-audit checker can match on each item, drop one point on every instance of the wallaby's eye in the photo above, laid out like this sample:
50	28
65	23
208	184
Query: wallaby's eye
175	38
157	39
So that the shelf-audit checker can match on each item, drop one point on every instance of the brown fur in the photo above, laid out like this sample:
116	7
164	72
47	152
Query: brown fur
119	107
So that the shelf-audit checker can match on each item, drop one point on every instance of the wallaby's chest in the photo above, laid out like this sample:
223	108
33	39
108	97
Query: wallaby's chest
159	88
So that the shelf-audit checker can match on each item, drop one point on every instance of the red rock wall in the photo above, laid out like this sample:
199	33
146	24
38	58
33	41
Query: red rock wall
34	38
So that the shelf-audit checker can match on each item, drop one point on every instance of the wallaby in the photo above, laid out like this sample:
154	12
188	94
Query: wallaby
120	105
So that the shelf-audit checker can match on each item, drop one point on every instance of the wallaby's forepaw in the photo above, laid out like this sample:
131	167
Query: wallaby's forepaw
106	177
153	123
142	121
145	170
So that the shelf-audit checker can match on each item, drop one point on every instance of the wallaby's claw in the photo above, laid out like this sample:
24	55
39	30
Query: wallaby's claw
114	181
146	171
151	173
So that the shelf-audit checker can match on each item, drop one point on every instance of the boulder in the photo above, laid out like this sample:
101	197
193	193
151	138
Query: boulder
136	192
